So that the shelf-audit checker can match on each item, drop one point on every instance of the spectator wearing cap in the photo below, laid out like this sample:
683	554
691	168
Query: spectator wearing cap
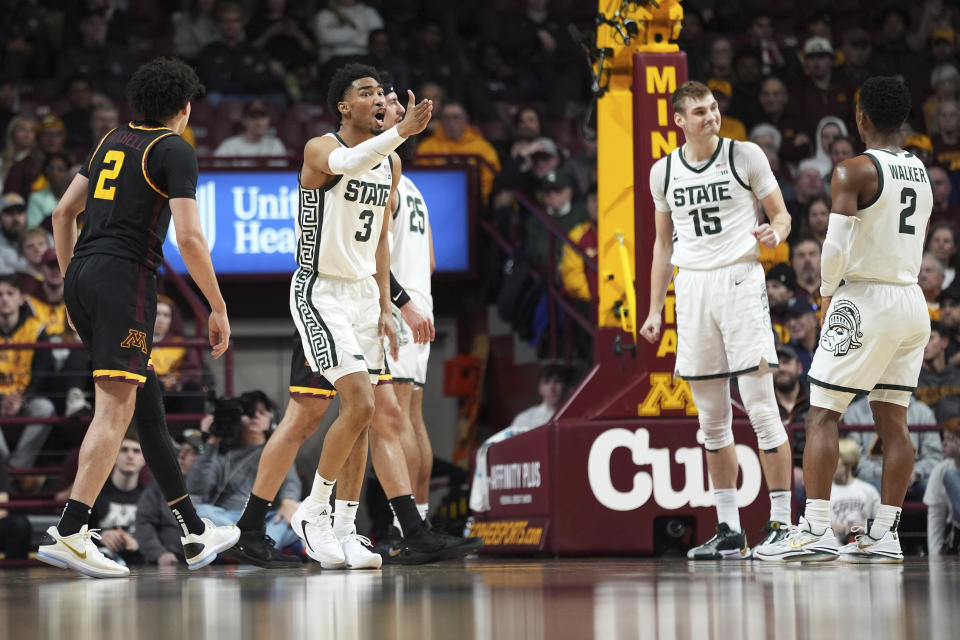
946	142
920	145
777	110
945	82
256	139
556	197
157	530
942	243
949	300
805	260
930	279
822	92
107	63
730	127
781	286
25	176
56	171
938	378
790	386
926	444
804	329
857	51
233	69
13	222
532	161
456	137
942	495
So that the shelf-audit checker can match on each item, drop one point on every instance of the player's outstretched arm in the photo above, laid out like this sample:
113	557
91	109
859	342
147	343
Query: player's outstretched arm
196	256
660	272
65	220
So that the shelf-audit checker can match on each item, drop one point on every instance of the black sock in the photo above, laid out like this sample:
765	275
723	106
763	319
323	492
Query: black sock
411	524
254	515
187	516
75	515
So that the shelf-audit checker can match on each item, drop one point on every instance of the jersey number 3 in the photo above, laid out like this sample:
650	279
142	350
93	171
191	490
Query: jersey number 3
113	158
366	216
704	223
908	195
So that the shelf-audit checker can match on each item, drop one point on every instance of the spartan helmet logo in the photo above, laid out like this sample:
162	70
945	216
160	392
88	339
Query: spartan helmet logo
843	329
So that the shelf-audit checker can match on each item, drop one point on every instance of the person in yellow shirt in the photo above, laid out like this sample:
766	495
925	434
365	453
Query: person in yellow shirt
730	127
455	136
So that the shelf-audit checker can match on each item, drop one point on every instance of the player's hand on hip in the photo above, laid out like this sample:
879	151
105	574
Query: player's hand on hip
824	306
766	235
421	326
219	329
417	116
651	328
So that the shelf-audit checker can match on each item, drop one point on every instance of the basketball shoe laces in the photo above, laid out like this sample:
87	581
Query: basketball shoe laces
365	541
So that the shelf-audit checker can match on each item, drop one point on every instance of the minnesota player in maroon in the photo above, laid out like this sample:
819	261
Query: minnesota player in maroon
137	176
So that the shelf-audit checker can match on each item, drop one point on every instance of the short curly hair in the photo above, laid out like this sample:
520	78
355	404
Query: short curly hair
342	80
886	100
162	87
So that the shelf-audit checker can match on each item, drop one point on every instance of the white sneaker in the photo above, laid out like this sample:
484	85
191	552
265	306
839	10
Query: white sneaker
801	544
868	550
357	553
80	553
312	524
202	549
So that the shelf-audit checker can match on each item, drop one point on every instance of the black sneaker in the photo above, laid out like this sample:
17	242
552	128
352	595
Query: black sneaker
773	532
390	547
434	547
724	545
259	549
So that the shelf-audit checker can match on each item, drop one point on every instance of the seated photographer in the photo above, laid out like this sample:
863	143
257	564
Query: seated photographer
222	477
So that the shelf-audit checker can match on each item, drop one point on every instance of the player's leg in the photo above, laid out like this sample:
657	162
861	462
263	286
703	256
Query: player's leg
312	521
421	490
756	390
202	541
712	397
408	437
357	550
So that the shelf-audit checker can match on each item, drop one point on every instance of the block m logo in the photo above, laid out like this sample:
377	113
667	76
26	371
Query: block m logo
667	394
135	340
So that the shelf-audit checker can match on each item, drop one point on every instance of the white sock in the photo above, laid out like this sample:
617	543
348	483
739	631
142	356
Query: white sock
888	517
322	488
817	514
422	510
780	506
344	517
727	510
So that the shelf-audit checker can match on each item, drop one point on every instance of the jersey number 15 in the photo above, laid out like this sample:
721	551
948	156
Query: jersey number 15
704	223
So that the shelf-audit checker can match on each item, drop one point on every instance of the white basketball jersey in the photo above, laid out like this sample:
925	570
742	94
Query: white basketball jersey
888	244
712	207
338	226
410	239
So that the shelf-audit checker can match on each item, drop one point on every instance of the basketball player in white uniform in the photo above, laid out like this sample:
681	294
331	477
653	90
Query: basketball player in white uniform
412	262
875	327
706	195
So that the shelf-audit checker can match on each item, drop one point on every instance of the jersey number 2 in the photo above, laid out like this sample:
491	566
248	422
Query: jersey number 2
113	158
364	234
704	223
908	195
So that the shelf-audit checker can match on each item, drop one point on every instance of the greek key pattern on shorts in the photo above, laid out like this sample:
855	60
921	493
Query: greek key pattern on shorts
311	219
321	340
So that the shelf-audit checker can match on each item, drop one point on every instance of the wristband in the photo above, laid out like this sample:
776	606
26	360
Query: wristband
398	294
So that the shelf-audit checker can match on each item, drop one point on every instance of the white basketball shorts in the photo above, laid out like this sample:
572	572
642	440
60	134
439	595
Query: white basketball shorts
411	365
872	341
723	322
337	322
